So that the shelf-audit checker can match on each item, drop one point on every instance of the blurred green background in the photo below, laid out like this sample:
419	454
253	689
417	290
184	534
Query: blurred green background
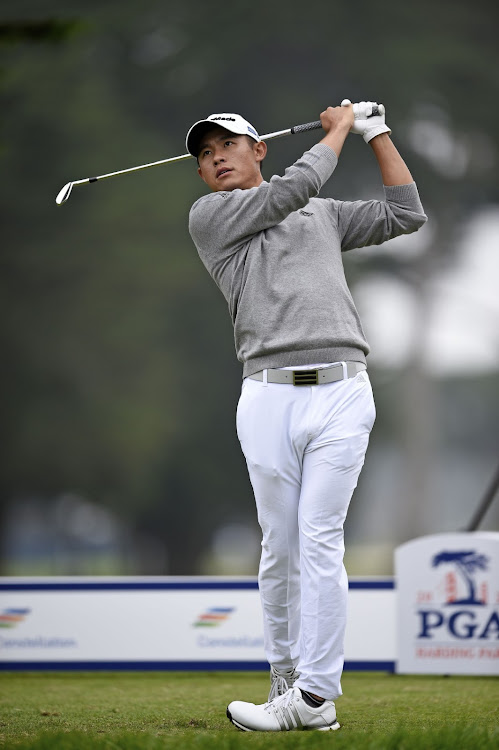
119	378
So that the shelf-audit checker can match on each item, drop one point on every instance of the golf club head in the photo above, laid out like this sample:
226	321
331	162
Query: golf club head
64	194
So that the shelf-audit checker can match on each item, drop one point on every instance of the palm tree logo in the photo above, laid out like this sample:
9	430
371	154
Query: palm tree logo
467	562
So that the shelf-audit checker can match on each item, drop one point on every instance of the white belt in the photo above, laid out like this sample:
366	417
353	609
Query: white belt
338	371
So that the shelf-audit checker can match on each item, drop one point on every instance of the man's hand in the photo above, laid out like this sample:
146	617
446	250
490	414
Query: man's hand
337	118
365	123
337	122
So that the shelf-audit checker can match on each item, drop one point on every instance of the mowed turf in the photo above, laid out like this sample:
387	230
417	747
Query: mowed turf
149	711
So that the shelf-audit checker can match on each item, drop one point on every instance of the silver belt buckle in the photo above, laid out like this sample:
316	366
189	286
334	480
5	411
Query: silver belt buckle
305	377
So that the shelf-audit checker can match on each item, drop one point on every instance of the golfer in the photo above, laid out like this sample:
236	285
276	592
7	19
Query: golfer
306	408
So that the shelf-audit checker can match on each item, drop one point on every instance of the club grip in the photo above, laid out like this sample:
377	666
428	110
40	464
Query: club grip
377	110
307	126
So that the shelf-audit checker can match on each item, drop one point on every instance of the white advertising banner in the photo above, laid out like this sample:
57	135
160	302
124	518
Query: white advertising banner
166	623
448	604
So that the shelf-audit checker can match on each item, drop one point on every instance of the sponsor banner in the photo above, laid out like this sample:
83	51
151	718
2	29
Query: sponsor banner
164	623
448	604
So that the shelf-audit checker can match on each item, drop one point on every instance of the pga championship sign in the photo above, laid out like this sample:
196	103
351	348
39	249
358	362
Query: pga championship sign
448	604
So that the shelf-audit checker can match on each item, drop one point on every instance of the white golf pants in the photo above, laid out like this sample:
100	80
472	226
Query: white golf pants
305	447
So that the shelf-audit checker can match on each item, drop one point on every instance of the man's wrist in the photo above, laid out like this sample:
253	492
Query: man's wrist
375	131
379	139
342	127
335	138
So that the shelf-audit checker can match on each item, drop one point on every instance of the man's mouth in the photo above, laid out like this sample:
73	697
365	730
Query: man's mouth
222	171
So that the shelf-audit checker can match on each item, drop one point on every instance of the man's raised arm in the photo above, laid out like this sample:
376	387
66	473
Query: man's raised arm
394	170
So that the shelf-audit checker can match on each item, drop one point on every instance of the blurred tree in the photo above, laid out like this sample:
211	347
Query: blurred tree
50	30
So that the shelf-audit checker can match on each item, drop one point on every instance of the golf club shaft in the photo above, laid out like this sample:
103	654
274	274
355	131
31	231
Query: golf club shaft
132	169
64	194
66	190
291	131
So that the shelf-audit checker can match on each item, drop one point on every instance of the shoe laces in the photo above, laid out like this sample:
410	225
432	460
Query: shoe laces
280	682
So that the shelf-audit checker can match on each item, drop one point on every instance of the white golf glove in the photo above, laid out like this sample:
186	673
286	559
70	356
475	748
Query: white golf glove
366	124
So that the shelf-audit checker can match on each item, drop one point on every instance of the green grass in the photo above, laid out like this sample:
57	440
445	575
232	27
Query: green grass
149	711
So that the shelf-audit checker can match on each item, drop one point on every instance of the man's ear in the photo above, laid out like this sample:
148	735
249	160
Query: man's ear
260	149
200	173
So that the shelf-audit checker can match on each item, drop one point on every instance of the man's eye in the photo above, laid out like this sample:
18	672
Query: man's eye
228	143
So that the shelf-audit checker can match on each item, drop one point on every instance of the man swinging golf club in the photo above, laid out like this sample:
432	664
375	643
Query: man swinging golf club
306	408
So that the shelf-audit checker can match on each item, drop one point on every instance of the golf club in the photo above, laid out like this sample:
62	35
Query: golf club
64	194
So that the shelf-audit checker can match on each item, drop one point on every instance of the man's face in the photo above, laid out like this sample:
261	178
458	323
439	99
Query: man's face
228	161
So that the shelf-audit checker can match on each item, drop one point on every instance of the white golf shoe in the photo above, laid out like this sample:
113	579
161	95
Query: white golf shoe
287	712
280	681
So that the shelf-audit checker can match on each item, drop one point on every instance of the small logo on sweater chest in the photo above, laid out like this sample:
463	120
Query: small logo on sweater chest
305	213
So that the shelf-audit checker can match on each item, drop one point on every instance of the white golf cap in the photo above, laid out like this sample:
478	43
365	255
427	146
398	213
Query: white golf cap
228	120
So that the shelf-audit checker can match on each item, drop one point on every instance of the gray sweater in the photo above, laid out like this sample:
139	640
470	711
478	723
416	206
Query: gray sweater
275	253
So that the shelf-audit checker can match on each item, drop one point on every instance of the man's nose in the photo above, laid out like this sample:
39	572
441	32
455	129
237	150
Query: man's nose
218	157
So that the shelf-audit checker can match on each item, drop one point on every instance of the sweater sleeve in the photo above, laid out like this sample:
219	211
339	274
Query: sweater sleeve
362	223
223	220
